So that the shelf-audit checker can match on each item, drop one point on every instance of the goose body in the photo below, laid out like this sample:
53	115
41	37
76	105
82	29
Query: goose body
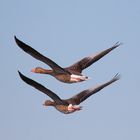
70	105
71	74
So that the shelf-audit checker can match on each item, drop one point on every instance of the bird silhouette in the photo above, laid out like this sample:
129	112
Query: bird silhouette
71	74
70	105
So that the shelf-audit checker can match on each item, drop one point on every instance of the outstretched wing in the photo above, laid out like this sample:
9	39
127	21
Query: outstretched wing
40	87
87	61
77	99
39	56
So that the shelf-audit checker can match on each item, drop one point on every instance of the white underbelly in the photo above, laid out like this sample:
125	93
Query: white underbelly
78	78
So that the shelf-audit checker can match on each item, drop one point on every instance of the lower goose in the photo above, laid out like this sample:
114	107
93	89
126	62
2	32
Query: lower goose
70	105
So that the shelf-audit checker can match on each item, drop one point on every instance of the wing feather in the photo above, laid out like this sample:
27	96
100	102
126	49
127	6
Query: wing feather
78	98
40	87
39	56
87	61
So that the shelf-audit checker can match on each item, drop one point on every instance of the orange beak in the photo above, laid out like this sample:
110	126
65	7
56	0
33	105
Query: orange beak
33	70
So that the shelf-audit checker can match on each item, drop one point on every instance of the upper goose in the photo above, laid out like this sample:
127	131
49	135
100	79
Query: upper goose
69	74
68	105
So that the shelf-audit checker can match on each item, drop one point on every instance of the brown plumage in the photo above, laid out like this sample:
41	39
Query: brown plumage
70	105
69	74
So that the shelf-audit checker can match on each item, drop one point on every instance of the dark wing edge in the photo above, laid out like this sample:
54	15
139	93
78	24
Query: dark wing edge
87	93
28	49
40	87
87	61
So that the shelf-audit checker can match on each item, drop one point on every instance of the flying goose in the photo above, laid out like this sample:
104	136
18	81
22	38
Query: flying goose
70	105
71	74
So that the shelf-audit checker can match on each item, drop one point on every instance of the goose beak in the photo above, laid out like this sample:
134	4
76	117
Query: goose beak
33	70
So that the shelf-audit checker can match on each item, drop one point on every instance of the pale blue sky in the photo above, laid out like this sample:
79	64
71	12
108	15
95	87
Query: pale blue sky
67	31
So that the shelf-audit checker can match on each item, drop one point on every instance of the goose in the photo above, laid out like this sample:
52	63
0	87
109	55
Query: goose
71	74
70	105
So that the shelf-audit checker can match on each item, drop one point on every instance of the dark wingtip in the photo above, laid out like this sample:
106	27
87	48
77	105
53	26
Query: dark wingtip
21	75
15	37
117	44
19	72
117	76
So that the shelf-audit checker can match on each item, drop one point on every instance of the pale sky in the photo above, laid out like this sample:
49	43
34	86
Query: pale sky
67	31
